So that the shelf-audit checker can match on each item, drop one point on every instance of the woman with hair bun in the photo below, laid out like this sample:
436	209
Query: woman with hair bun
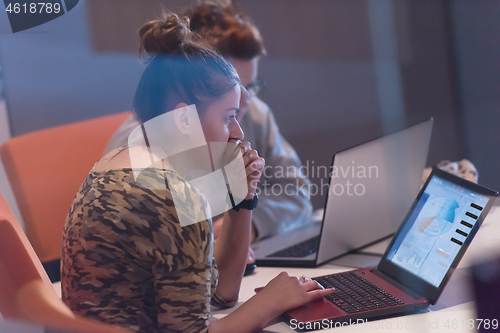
129	258
235	36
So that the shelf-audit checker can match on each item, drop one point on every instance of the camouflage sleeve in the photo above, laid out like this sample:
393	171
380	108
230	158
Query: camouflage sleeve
182	270
127	261
182	298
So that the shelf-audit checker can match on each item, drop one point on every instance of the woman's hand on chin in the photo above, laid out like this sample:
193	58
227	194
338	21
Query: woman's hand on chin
254	166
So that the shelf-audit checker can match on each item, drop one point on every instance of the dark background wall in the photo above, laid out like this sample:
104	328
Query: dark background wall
476	36
339	72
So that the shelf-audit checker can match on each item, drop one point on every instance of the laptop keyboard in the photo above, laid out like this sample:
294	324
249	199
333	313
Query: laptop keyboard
355	294
299	250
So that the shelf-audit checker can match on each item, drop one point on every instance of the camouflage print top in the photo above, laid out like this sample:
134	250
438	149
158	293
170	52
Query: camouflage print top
127	261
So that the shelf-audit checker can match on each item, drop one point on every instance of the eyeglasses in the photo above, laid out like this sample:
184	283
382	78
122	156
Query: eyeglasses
255	87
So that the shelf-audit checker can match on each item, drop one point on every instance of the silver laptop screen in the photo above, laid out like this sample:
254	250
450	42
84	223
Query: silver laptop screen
436	230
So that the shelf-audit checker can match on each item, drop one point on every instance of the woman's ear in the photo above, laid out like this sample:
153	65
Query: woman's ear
181	118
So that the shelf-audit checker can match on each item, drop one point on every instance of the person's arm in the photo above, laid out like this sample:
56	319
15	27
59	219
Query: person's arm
182	293
217	223
182	273
283	192
231	248
283	293
231	252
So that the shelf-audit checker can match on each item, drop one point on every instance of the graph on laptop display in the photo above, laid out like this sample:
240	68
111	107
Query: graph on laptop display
437	229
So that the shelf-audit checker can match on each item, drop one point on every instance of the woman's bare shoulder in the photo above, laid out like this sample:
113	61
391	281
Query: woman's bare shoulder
118	158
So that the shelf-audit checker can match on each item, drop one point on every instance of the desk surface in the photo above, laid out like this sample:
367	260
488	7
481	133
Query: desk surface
451	314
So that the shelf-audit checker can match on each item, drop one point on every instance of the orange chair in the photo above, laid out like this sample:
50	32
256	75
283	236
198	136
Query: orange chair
46	169
25	289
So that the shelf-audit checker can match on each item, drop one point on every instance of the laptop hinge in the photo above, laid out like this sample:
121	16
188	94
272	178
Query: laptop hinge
395	283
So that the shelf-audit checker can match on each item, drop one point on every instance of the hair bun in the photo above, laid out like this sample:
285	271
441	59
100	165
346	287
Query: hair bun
164	36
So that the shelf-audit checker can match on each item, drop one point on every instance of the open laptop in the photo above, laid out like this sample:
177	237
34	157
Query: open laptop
418	262
371	187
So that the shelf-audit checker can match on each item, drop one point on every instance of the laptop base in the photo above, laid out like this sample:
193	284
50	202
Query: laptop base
325	309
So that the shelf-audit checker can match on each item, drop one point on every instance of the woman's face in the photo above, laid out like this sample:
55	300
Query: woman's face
219	119
247	70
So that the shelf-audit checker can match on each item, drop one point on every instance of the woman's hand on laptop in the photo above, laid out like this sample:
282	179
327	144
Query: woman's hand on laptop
286	292
281	294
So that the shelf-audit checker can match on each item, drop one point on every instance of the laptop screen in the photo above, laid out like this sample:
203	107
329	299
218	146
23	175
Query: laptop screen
436	230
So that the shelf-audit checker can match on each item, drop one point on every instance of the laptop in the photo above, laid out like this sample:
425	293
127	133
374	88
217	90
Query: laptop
371	187
418	262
